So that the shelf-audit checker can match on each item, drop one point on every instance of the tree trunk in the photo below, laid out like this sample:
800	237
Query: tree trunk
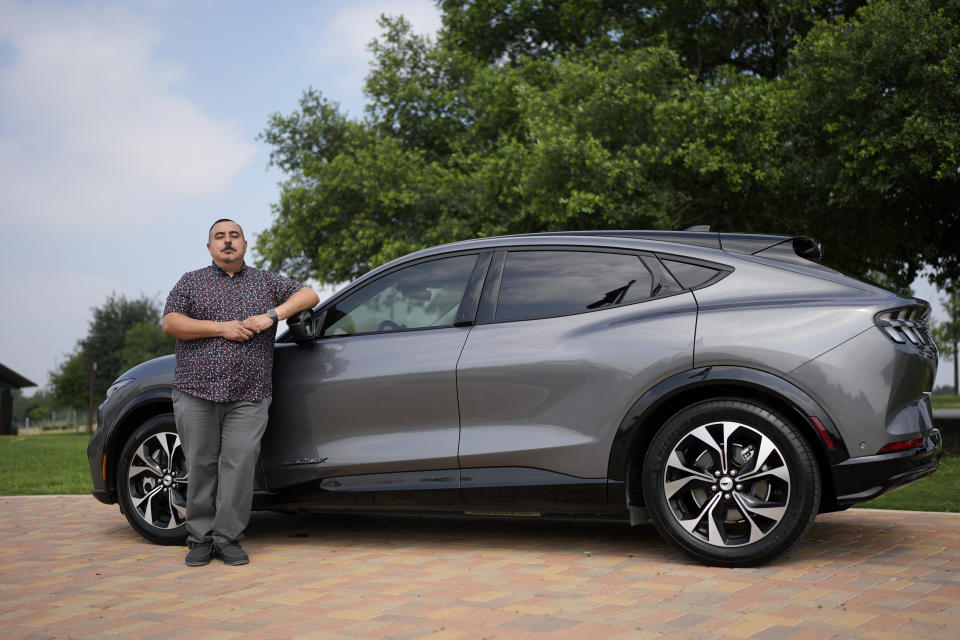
956	357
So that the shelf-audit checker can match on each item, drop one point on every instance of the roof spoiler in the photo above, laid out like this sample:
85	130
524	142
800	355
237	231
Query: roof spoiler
792	248
781	247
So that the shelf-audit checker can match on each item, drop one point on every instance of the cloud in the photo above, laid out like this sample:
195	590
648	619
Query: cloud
93	129
345	35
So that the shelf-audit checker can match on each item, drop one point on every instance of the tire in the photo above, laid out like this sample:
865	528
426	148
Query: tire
152	481
731	483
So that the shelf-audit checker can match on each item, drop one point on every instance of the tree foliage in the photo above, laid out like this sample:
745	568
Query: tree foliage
122	333
754	37
947	333
43	399
832	119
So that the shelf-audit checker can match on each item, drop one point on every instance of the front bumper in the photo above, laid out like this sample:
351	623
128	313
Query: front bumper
865	478
97	457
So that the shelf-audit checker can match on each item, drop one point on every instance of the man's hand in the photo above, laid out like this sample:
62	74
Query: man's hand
258	323
236	330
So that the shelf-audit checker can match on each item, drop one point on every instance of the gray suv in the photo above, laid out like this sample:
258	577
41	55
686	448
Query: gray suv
726	387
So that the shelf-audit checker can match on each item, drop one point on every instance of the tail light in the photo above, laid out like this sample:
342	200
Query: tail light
907	325
902	446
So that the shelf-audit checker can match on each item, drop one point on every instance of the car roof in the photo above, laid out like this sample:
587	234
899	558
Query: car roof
705	245
749	243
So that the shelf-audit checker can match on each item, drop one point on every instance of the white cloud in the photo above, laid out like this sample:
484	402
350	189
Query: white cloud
345	35
92	126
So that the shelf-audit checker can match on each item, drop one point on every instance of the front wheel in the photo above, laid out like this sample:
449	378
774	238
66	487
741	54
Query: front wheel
152	481
731	483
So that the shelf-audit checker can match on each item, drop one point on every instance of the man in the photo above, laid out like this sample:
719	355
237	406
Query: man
225	319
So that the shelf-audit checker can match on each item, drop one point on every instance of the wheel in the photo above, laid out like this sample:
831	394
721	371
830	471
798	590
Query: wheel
730	483
152	481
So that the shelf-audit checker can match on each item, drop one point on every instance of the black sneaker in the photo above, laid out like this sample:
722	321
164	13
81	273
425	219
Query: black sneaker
200	554
232	554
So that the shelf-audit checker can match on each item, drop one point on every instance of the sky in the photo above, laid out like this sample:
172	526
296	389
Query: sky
127	128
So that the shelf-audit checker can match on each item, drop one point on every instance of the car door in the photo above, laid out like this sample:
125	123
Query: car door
372	403
566	341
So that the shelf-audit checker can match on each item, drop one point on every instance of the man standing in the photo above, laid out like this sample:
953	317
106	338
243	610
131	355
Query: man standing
225	320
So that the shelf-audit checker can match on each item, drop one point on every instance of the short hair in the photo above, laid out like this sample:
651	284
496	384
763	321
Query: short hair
224	220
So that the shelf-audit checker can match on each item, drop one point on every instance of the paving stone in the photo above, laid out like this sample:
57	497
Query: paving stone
71	567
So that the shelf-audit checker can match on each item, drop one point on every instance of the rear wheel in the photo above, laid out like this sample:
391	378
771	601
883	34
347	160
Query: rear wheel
731	483
152	481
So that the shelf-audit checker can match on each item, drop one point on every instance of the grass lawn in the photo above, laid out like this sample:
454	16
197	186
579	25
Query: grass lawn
945	402
46	463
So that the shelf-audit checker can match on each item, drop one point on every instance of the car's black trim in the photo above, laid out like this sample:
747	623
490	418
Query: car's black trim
477	477
487	309
399	481
467	313
868	477
528	488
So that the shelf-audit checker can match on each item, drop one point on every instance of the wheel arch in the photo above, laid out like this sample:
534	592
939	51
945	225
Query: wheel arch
150	403
657	405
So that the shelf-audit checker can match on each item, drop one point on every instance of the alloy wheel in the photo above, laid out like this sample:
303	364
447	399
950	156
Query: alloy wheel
727	484
157	481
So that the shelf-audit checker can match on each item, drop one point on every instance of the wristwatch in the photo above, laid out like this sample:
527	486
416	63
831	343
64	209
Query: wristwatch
272	314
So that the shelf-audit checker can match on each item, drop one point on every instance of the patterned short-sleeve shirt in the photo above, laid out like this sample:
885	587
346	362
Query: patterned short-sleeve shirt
218	369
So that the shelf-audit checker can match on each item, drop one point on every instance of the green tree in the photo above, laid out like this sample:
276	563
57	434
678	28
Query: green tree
947	334
43	398
831	119
754	37
39	414
872	121
143	341
121	331
70	381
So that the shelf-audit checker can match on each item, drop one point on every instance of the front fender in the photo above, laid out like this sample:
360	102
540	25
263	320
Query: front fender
113	431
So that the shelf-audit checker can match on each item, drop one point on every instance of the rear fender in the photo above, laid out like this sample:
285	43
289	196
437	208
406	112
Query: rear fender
671	395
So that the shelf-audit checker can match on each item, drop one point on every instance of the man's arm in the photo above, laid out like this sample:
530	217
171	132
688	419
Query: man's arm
305	298
186	328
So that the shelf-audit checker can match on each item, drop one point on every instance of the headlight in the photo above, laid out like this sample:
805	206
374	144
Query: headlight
116	386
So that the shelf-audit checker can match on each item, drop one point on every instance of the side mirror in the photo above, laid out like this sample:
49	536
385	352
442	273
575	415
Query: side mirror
305	326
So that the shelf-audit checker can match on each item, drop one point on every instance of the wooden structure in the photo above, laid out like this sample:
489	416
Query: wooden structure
9	379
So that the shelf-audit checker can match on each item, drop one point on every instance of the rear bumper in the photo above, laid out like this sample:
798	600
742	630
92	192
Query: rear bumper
862	479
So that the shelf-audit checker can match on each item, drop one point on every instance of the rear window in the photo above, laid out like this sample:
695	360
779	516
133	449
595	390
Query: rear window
537	284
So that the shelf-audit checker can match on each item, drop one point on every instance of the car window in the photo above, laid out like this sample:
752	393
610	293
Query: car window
690	276
427	294
549	283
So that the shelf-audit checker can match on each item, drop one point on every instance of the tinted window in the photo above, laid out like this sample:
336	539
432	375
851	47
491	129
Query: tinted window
427	294
550	283
690	276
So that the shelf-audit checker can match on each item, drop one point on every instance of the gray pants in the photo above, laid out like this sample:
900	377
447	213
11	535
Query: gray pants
221	442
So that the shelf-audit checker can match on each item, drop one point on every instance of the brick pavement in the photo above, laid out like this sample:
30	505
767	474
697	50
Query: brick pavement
70	567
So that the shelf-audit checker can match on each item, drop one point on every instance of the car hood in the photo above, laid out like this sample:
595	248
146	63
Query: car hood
161	368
